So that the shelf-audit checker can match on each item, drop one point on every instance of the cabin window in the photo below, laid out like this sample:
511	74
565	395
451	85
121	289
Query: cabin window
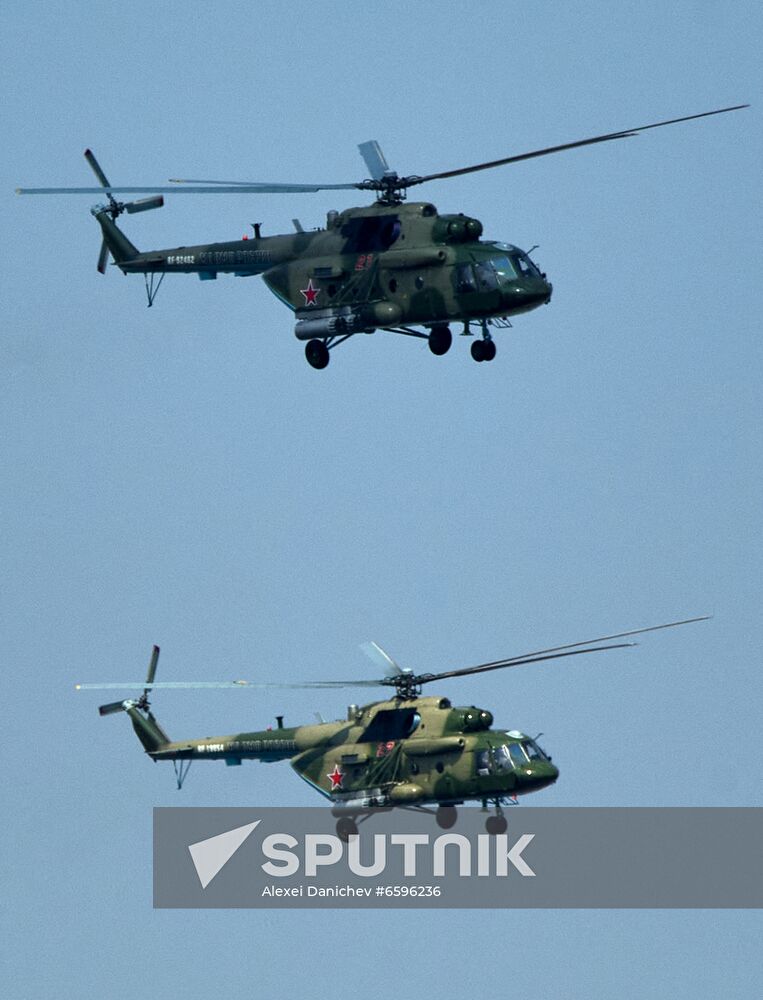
487	280
371	234
517	754
390	725
501	760
465	280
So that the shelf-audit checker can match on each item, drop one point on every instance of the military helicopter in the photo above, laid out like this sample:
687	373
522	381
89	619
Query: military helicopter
389	266
408	751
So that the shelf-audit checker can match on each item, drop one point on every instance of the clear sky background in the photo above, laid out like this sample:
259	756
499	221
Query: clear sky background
180	475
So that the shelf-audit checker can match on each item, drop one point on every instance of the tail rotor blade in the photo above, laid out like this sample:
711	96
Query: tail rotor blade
103	258
111	708
152	669
96	168
144	204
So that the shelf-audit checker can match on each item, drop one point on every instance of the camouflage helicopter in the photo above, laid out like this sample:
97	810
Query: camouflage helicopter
408	751
389	266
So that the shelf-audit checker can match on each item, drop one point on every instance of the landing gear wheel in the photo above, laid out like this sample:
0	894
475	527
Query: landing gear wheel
440	339
478	350
346	827
483	350
317	353
495	825
446	817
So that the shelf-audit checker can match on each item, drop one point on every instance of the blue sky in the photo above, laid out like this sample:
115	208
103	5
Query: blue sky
180	475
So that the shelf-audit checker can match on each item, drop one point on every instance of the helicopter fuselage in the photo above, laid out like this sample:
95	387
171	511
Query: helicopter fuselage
383	266
396	752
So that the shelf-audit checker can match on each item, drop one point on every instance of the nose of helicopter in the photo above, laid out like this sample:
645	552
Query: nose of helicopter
536	775
540	291
533	291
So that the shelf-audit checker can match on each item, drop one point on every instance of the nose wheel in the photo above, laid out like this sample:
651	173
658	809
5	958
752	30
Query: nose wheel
446	817
317	353
346	827
496	824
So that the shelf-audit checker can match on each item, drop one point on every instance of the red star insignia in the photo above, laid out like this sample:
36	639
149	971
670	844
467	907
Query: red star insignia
310	293
335	777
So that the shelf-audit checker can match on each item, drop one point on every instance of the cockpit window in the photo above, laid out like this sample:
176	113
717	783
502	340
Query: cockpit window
533	751
504	269
526	266
508	757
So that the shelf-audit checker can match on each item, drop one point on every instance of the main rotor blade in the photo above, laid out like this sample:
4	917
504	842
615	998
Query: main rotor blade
210	685
374	159
393	680
221	187
622	134
556	652
382	659
601	638
265	186
164	685
517	662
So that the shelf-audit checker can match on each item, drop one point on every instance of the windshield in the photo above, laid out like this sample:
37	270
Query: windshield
517	755
508	757
525	266
533	751
504	269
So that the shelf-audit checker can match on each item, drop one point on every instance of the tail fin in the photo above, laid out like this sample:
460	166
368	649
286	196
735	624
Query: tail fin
114	240
148	730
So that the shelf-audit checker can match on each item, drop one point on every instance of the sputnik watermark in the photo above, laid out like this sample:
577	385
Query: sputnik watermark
493	856
547	858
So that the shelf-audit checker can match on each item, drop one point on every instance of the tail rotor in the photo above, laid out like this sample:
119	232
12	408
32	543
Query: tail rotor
142	702
115	208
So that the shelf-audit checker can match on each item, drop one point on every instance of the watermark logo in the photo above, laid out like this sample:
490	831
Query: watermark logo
211	855
548	858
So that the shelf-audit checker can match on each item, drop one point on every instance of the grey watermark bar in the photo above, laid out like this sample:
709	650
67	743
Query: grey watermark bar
547	858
